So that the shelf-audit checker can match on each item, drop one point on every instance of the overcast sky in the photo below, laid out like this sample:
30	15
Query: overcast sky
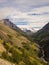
26	13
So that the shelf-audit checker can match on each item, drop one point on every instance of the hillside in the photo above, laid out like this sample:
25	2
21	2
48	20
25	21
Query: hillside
11	35
44	32
4	62
16	48
42	38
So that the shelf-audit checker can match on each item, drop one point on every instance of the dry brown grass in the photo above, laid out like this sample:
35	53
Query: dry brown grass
4	62
2	48
17	38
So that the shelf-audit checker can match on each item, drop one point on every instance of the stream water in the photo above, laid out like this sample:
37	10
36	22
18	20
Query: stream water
43	55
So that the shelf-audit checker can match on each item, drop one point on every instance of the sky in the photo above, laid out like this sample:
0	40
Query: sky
30	14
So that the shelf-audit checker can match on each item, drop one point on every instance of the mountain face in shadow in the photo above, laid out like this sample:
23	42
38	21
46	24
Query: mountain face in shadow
42	38
46	27
43	30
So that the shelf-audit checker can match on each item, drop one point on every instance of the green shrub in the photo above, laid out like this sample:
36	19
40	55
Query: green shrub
9	36
6	56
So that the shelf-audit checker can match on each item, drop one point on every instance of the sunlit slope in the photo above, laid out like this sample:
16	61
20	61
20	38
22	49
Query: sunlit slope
27	55
17	49
11	35
4	62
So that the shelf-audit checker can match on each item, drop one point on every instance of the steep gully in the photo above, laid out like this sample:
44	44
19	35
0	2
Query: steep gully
42	54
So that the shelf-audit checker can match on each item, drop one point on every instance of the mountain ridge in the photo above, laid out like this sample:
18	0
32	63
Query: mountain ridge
17	49
42	38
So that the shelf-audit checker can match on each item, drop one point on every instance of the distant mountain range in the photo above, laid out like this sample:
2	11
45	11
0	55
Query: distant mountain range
13	26
28	31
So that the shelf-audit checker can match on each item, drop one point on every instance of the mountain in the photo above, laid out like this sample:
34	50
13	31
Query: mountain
42	33
44	29
27	31
11	30
42	38
12	25
15	48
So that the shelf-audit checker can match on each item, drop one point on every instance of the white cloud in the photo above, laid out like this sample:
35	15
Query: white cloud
33	20
40	9
4	12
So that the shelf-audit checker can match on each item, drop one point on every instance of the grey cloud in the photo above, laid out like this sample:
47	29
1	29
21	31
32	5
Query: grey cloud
36	14
25	5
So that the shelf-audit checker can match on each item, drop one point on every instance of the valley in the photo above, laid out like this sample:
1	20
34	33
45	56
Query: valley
16	48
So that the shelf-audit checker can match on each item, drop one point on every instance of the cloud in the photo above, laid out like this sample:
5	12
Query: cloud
2	1
31	2
36	14
24	5
27	5
21	23
6	11
37	21
26	13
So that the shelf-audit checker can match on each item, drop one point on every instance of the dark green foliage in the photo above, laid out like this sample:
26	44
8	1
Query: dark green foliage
26	46
9	36
16	56
6	56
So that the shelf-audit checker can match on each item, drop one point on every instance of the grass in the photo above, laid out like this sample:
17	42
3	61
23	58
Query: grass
19	50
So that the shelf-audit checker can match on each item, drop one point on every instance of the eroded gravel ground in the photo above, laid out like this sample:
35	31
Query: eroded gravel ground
4	62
